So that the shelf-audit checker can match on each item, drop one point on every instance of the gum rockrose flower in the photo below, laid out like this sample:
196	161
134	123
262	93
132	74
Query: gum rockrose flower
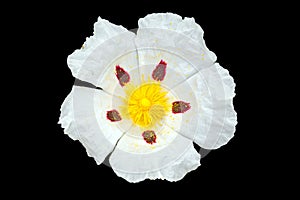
158	91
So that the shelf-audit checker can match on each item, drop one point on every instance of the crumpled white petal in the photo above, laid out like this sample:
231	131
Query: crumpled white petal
84	119
168	160
103	30
189	161
177	41
108	42
170	21
66	118
214	88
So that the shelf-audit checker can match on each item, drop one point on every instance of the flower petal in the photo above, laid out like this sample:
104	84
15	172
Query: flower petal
66	118
108	43
171	157
83	115
214	89
186	26
177	41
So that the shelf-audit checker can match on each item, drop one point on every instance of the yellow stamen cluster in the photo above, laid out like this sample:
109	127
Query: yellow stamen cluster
147	104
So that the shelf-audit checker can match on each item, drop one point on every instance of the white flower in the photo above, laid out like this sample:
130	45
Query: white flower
162	90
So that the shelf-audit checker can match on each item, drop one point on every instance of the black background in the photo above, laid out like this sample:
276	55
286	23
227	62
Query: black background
54	163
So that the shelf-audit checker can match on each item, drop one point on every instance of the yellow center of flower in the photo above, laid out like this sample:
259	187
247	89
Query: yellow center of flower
147	104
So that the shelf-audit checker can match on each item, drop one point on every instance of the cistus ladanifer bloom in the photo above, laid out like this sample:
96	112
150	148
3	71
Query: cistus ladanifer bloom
161	91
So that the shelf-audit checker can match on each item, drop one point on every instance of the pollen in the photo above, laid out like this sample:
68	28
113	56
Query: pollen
148	104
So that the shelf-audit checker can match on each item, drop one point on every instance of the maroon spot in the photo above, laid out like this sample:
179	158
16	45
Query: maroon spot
159	72
180	107
149	137
113	116
122	75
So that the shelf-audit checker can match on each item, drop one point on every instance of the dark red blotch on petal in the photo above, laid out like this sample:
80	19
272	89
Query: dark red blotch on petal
113	115
159	72
149	136
180	107
122	76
